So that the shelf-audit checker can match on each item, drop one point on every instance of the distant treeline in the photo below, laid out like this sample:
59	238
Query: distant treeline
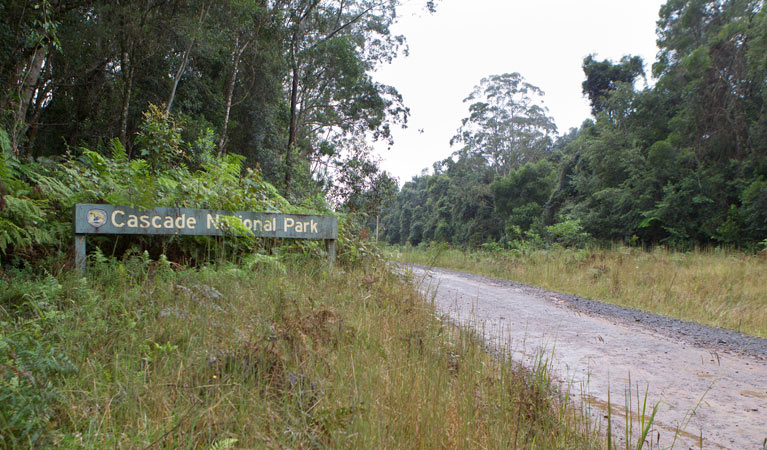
683	162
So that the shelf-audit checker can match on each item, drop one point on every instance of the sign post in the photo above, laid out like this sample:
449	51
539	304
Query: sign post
111	219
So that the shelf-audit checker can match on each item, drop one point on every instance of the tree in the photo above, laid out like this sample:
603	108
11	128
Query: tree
508	125
603	77
332	45
357	183
519	198
711	58
28	33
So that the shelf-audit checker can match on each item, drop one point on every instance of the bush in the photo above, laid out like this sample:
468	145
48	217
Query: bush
568	233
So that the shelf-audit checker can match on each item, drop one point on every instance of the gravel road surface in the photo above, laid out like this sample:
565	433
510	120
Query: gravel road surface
709	381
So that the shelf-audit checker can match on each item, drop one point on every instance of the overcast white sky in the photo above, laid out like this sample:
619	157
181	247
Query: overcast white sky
466	40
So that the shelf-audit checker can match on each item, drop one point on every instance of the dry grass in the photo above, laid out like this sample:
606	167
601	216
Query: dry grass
236	358
715	287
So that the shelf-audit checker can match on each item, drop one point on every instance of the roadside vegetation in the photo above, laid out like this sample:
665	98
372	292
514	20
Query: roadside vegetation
143	353
234	341
717	287
675	165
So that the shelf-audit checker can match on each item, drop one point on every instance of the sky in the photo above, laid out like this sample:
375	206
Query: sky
451	50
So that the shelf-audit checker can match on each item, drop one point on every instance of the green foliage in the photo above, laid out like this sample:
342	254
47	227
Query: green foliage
680	163
25	204
731	231
568	233
602	77
218	66
754	214
37	200
354	247
28	393
159	139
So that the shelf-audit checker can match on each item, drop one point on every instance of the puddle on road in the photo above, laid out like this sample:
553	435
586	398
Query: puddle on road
706	375
618	420
753	394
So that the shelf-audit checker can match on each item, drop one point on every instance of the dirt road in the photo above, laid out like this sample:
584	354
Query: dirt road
711	382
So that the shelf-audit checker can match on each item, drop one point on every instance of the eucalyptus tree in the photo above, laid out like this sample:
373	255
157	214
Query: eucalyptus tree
243	24
332	46
28	36
508	124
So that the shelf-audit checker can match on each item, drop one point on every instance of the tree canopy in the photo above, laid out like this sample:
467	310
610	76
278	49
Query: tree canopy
285	83
682	162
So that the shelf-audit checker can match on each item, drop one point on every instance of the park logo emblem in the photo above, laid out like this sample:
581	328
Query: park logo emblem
97	217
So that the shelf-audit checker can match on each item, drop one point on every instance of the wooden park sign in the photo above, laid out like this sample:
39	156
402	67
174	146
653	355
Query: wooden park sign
111	219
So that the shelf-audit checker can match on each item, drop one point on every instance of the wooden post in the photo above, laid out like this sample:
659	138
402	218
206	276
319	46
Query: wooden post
80	255
330	245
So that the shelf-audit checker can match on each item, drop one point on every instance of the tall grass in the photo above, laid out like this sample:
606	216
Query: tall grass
715	287
274	357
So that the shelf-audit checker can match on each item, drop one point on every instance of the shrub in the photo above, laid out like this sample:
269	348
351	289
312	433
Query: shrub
568	233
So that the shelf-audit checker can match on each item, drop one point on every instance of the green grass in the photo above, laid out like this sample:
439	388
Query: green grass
714	287
157	356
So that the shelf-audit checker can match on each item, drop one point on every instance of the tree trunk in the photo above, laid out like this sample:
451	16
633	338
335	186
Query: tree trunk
43	89
27	85
177	76
127	92
238	51
293	131
185	60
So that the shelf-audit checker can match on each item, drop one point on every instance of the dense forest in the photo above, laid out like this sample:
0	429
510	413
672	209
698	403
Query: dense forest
266	104
285	83
681	162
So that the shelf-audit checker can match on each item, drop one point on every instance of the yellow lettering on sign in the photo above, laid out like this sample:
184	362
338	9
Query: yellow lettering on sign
114	218
211	222
191	222
181	221
144	221
288	223
132	221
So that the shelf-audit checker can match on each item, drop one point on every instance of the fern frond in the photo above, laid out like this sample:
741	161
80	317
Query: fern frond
225	444
119	155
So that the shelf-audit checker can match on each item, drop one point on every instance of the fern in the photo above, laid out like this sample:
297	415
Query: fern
119	155
36	207
224	444
5	142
